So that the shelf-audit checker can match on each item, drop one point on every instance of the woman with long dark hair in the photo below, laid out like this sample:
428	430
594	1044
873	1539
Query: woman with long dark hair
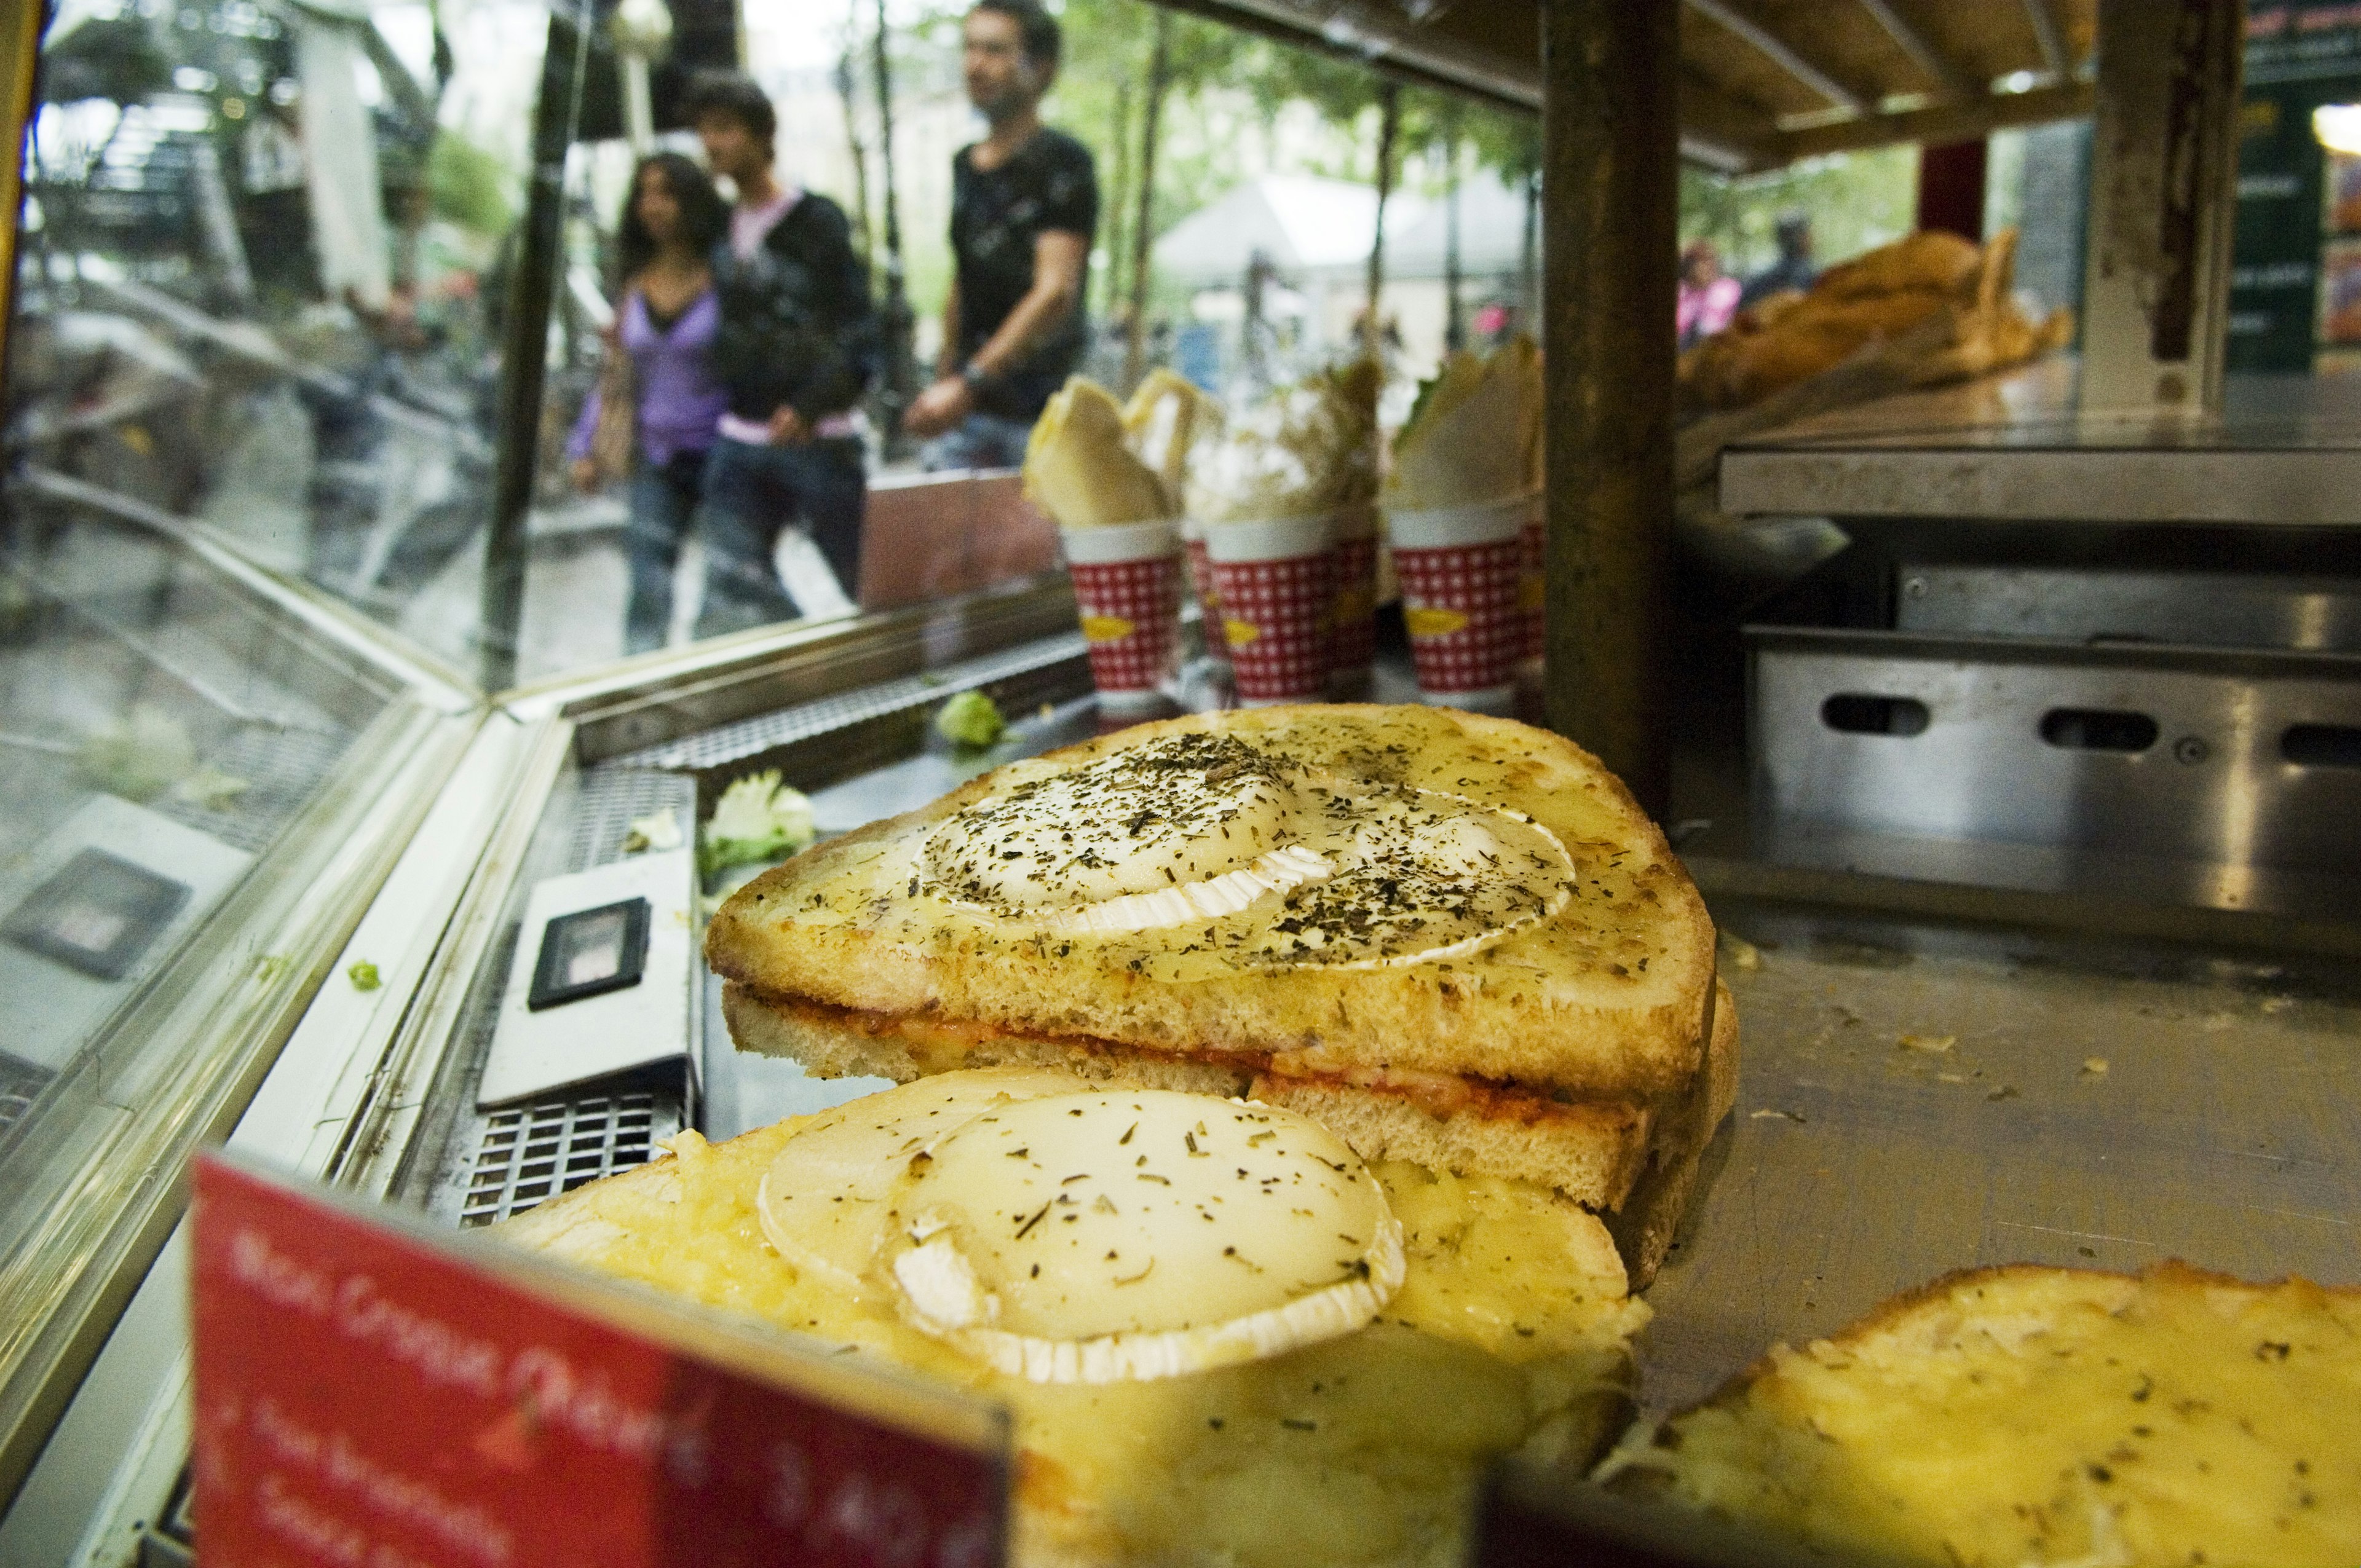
664	339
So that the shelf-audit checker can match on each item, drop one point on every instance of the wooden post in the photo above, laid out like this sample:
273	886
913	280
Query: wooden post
1610	188
1951	188
2164	170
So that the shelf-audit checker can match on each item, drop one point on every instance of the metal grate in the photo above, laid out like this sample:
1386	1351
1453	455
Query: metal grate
280	769
530	1154
726	743
615	796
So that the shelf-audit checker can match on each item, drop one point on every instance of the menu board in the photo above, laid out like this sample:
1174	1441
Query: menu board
372	1392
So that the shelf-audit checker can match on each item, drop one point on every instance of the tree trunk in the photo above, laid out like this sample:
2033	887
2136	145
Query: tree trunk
845	94
1143	228
900	367
1527	273
1119	198
1454	320
1372	332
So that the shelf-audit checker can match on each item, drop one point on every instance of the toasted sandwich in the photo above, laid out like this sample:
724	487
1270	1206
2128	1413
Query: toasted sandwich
2024	1415
1451	939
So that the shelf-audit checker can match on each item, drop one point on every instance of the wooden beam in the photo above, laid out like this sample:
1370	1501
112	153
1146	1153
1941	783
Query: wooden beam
1936	126
1775	49
1385	42
2049	37
1610	162
1950	80
1721	131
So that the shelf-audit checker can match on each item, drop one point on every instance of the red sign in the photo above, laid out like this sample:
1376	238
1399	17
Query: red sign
373	1393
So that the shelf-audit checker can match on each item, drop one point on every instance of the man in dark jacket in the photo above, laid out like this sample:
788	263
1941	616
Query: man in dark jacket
796	347
1024	202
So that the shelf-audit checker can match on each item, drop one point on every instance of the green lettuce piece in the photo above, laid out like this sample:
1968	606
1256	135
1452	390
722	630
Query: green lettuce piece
971	719
757	818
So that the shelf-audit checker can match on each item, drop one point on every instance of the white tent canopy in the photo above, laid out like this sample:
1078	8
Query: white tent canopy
1491	233
1305	224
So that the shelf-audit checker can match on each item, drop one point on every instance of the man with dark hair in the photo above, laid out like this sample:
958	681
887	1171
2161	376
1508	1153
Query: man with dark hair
795	348
1024	205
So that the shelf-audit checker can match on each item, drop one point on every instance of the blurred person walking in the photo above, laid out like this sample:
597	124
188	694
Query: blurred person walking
1793	272
1707	299
1024	203
795	347
655	413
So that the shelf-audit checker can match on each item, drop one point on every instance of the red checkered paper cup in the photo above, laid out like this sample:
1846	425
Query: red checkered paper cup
1127	587
1201	583
1277	580
1459	569
1353	649
1533	586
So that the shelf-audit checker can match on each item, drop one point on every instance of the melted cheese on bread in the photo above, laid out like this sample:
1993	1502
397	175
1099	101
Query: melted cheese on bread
1496	906
1509	1329
2038	1416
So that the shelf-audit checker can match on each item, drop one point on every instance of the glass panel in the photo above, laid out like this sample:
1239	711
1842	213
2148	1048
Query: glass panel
159	731
261	269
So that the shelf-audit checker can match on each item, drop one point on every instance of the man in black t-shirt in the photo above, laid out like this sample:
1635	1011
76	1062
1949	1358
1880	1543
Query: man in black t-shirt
1024	203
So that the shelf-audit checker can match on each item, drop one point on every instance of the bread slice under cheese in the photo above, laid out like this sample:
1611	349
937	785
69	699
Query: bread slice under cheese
2025	1415
1591	1051
1509	1332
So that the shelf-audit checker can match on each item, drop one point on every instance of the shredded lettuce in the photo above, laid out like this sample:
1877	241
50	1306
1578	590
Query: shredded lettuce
971	719
757	818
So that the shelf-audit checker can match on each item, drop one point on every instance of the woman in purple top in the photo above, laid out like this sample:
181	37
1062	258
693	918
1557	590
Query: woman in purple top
670	225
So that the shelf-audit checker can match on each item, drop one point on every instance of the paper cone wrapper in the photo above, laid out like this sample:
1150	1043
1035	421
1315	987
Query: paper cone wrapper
1460	569
1354	650
1128	591
1277	584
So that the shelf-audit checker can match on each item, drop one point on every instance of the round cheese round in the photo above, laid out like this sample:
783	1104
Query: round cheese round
1101	1236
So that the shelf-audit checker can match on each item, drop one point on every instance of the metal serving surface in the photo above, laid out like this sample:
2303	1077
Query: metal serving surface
2285	451
1913	1102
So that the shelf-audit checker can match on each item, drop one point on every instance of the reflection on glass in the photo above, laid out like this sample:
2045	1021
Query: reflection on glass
260	269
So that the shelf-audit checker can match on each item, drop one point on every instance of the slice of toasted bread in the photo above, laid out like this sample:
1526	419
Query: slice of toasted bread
1605	1155
2021	1415
1509	1332
1604	998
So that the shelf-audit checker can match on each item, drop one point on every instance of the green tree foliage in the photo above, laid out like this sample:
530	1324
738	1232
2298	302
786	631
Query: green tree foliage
1856	200
470	186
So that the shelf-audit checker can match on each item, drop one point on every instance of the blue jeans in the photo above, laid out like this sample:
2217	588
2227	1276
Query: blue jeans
664	505
753	492
979	441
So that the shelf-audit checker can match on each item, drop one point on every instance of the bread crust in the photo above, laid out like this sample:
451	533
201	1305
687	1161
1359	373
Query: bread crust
1600	1155
1609	999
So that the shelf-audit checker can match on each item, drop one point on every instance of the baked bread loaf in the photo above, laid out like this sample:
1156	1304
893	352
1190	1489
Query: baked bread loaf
1940	306
2025	1415
1451	938
1507	1331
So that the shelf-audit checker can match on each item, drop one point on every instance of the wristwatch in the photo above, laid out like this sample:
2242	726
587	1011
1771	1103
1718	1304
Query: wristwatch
976	377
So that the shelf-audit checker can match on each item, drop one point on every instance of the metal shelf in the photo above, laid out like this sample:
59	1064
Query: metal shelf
2286	451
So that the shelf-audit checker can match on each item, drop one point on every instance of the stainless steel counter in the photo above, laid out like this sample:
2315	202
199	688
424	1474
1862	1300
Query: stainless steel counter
1919	1098
2286	451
